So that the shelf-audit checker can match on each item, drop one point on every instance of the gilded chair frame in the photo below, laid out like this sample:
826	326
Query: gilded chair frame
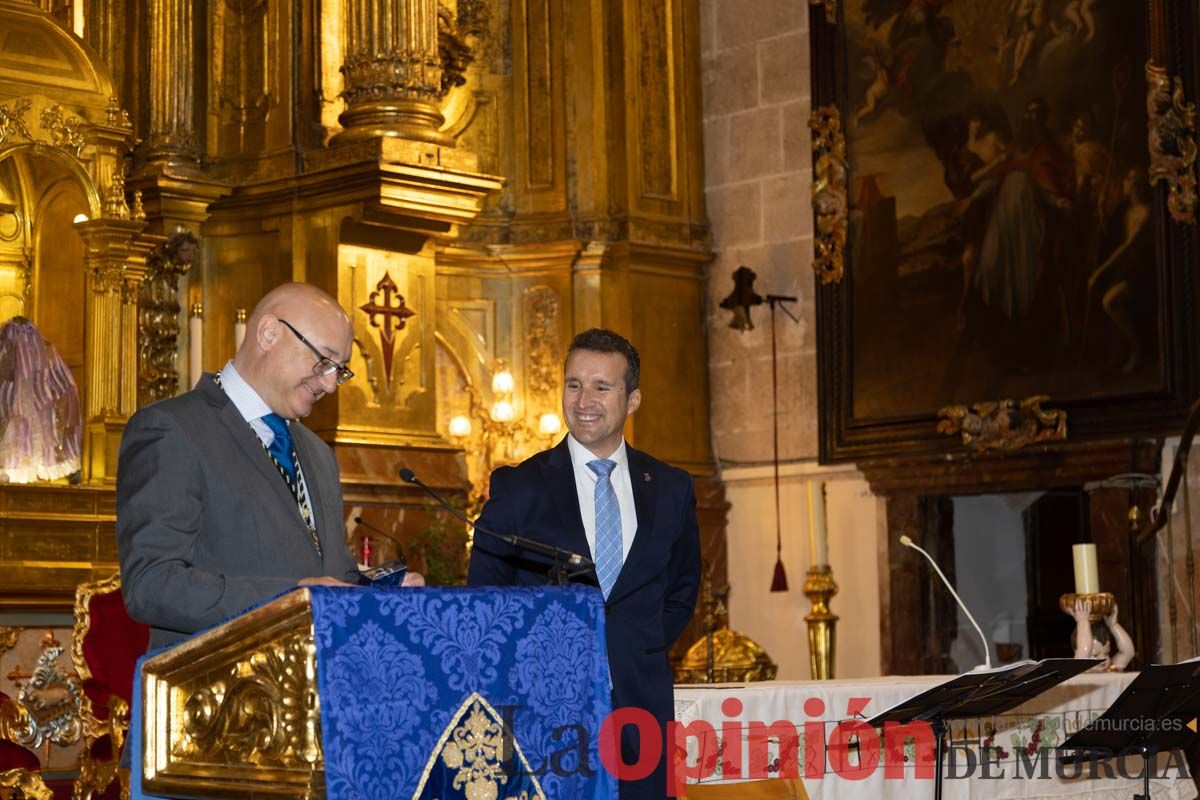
95	776
29	783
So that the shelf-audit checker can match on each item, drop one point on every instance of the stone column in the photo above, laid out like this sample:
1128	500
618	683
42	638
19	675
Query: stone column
172	137
393	71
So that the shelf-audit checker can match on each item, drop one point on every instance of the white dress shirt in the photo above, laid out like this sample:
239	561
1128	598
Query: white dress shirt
253	408
248	403
585	487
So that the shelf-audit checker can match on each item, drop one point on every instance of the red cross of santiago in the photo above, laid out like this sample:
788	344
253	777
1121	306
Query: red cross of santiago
393	318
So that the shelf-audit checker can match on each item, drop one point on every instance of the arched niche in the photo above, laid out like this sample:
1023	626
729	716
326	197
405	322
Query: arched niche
42	269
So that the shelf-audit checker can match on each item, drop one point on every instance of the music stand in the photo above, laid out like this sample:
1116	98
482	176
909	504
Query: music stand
1168	694
980	694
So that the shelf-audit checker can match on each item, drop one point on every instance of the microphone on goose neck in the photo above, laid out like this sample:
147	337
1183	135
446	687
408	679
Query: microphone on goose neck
391	573
987	654
574	560
392	539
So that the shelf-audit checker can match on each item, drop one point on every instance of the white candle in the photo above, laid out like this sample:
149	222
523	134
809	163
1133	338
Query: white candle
239	329
1087	575
818	536
196	344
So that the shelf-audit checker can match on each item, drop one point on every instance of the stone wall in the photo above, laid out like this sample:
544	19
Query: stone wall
758	181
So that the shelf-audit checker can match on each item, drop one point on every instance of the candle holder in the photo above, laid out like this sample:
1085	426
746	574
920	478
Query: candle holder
239	328
822	623
1102	604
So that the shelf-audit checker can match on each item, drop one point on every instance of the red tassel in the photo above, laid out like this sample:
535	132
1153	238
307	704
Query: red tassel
779	582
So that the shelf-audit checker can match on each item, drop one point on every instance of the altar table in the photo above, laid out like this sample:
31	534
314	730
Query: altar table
1029	729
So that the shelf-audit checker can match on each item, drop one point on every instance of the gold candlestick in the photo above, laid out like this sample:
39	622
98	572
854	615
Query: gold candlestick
822	623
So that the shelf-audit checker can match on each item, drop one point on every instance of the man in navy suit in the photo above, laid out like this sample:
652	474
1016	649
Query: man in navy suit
634	515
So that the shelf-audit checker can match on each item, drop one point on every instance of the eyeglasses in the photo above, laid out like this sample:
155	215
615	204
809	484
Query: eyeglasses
325	366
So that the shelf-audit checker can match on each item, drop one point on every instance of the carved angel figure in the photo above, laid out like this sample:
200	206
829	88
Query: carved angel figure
40	423
1004	424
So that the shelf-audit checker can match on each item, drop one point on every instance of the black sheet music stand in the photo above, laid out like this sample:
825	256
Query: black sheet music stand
1150	717
980	694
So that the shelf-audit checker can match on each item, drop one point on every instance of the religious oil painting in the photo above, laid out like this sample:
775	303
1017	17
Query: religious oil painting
1001	226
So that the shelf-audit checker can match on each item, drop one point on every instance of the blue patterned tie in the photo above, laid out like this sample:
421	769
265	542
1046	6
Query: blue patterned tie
281	445
608	526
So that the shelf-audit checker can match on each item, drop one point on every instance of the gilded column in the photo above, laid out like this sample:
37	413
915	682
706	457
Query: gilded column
103	336
115	264
104	30
393	71
172	137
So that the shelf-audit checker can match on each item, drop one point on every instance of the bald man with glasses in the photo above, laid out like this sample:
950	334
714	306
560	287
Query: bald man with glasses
223	497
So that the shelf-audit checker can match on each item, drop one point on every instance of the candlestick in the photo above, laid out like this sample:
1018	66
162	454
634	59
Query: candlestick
1087	575
239	329
818	535
196	344
822	623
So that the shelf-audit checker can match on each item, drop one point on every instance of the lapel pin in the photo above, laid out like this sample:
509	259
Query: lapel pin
646	476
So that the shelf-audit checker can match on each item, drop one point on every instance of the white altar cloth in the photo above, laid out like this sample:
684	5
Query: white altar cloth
1031	728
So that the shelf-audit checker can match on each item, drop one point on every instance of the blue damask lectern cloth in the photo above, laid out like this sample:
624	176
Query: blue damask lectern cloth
419	688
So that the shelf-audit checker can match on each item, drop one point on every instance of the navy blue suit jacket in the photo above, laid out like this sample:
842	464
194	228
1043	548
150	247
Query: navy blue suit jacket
655	594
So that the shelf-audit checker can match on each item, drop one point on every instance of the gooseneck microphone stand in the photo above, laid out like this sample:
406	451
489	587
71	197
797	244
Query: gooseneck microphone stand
564	564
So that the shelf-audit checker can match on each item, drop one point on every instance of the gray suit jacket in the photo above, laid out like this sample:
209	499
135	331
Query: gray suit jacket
206	526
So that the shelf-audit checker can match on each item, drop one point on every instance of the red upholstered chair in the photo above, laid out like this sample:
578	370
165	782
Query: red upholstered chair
105	646
19	767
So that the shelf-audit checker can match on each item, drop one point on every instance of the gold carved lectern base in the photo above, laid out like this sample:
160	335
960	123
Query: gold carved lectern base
235	712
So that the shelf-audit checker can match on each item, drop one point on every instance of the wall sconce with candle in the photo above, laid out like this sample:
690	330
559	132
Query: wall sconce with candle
495	434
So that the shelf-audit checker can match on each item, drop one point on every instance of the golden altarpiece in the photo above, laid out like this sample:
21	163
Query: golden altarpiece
474	180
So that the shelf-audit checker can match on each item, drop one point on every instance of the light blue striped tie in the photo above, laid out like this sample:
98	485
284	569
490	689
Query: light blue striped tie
608	526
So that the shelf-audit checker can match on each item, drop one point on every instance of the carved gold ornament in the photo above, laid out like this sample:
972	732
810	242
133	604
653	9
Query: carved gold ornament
543	359
1004	424
829	193
14	721
736	658
115	116
243	696
8	639
12	121
259	712
158	316
28	784
66	132
830	9
1172	139
115	206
